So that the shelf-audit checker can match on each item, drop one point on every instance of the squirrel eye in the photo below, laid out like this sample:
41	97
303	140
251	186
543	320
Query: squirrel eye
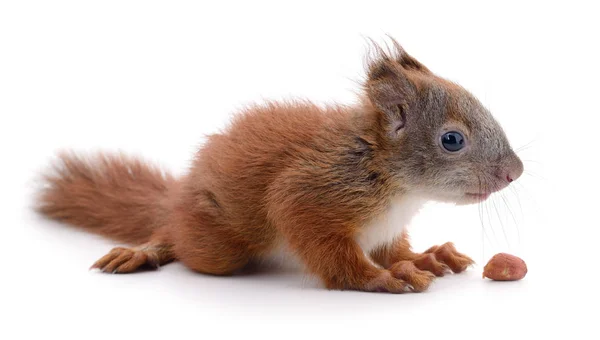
453	141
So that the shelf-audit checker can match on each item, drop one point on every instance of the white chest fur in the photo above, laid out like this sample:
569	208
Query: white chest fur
384	228
381	230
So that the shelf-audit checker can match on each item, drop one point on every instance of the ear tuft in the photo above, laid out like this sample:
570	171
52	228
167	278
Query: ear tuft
391	83
406	60
379	57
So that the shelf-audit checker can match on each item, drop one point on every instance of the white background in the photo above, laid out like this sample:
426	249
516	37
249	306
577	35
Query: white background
152	78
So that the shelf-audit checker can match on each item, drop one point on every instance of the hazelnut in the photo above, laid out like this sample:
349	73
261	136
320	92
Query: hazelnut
505	267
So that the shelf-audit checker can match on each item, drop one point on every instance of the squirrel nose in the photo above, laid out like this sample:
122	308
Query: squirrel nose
512	171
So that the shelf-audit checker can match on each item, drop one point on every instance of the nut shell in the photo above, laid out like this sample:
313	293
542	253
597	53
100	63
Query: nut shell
505	267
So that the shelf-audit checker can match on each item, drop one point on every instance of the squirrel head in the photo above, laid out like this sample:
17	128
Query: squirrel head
435	138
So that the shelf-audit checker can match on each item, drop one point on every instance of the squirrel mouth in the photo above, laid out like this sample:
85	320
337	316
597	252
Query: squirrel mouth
479	196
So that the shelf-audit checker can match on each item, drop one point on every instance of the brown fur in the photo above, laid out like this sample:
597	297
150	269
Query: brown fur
292	173
112	195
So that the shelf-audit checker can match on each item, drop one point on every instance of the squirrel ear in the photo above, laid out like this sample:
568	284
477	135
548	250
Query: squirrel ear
390	82
390	91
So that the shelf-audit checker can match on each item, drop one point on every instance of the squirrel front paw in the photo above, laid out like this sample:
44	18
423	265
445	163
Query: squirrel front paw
401	277
385	282
440	260
409	272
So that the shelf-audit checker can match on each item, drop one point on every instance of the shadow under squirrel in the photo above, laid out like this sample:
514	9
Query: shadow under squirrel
332	186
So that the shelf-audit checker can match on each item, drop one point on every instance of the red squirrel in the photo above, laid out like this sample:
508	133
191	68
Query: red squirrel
332	186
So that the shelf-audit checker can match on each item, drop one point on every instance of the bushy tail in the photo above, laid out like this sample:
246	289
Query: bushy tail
115	196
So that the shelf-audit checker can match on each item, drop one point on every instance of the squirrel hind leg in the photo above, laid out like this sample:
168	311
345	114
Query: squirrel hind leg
122	260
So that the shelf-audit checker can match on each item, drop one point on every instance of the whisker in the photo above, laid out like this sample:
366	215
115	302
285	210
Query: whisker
530	196
514	191
513	217
484	234
490	221
529	173
501	223
522	149
508	207
528	145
